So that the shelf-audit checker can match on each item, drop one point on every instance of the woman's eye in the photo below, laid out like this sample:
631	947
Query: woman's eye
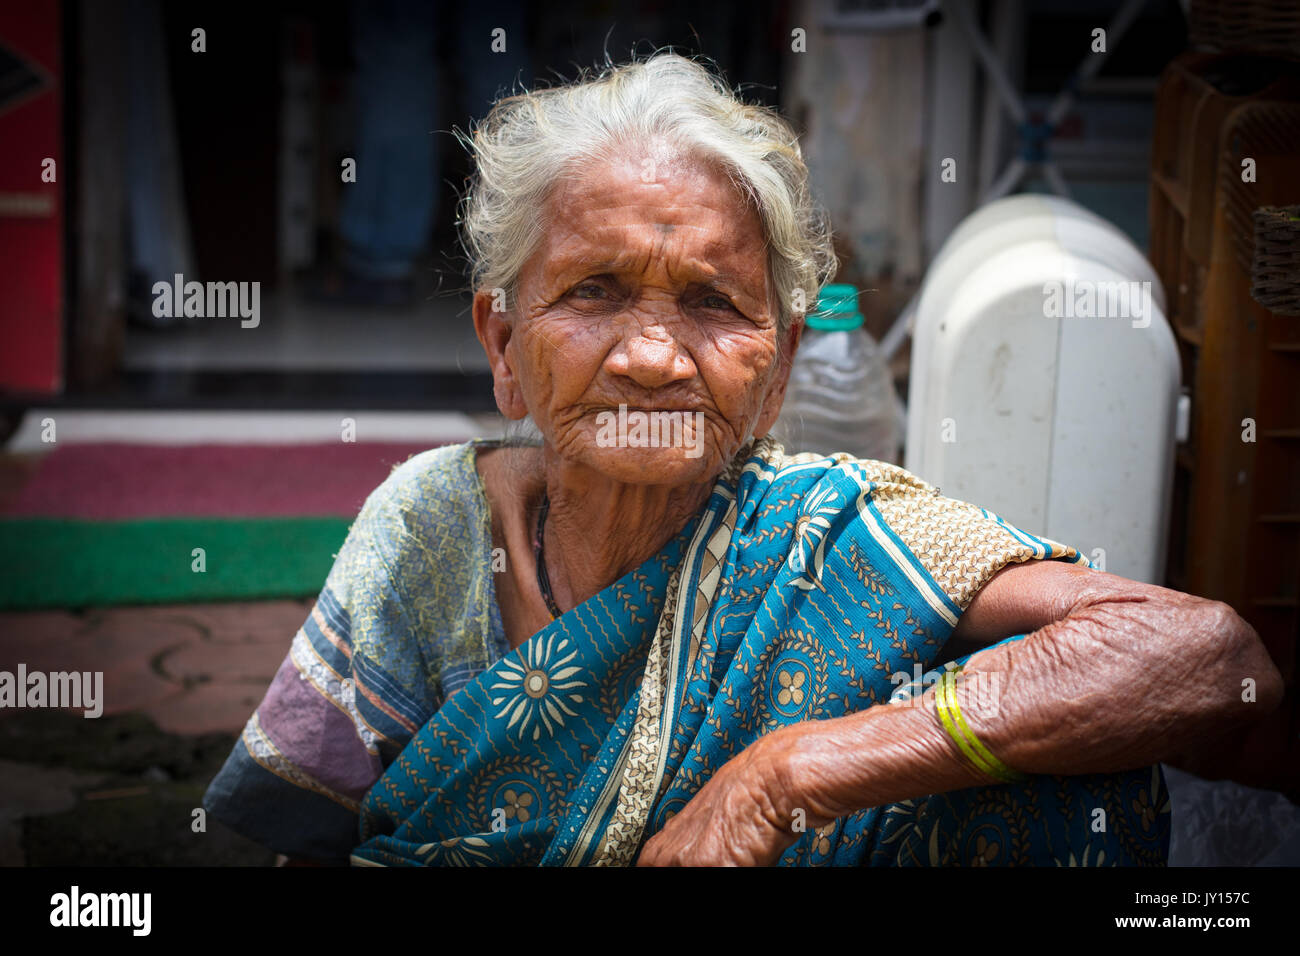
588	290
716	302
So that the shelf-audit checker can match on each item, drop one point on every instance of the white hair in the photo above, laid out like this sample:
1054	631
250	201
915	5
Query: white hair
528	141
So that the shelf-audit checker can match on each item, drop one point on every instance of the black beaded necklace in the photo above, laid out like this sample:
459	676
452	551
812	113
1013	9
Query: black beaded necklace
543	579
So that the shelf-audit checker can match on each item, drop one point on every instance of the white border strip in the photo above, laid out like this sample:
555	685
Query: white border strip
244	428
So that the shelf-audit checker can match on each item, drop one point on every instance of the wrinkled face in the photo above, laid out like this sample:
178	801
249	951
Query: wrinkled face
649	291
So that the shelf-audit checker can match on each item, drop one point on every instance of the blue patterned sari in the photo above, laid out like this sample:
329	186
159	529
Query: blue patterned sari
805	589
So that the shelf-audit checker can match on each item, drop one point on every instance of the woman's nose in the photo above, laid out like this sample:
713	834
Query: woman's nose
651	356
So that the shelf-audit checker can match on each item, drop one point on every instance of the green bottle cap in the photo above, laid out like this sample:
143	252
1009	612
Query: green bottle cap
837	309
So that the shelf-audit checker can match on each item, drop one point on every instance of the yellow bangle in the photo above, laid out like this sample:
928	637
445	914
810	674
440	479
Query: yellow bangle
950	714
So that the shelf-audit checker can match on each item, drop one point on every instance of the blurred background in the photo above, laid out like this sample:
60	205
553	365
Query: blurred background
173	488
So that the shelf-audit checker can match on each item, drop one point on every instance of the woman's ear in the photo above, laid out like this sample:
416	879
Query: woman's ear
776	391
493	328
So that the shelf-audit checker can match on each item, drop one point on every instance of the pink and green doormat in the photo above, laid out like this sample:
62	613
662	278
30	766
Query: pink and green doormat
100	524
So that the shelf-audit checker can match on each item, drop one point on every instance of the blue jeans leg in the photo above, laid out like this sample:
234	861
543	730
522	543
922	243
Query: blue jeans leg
387	214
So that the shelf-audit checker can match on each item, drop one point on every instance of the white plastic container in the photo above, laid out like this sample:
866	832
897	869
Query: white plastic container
1045	381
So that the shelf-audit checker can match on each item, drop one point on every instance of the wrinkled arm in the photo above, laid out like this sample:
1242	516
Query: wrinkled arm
1116	674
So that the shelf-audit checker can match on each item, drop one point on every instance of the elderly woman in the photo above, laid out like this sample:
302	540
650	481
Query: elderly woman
654	637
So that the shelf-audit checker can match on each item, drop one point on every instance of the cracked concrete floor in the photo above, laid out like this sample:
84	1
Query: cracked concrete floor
179	683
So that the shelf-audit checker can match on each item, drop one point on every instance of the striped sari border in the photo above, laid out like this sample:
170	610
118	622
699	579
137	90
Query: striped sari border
905	560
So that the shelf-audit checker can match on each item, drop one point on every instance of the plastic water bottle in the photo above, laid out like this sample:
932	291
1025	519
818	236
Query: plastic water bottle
841	396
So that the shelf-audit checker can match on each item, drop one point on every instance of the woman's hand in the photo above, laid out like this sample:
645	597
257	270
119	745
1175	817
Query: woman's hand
744	816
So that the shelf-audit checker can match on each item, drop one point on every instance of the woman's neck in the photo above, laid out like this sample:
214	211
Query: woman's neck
597	529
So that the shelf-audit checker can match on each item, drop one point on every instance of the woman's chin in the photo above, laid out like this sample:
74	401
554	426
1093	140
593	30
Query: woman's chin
654	466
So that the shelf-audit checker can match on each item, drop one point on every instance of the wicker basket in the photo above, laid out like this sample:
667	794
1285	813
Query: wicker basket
1266	27
1275	270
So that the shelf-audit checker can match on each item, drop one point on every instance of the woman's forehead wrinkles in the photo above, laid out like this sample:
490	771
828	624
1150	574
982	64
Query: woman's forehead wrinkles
716	264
